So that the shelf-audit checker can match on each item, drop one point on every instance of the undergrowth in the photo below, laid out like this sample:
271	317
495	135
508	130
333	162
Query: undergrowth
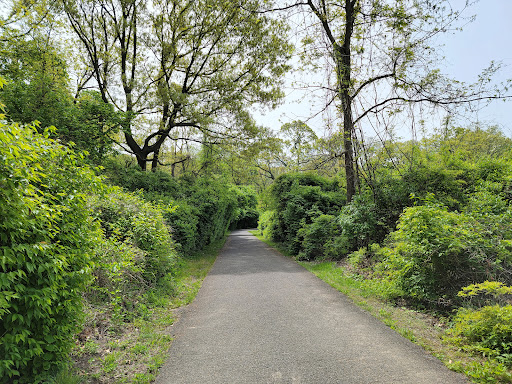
134	352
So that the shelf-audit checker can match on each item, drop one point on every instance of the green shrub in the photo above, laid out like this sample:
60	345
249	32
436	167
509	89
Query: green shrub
297	199
320	239
359	224
266	223
246	218
216	206
127	217
369	257
391	192
246	215
485	294
198	210
117	269
155	185
183	219
495	170
487	330
46	238
437	252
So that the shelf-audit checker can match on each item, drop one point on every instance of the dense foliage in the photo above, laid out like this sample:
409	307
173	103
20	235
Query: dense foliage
68	237
173	84
199	211
484	324
46	241
296	200
37	89
128	219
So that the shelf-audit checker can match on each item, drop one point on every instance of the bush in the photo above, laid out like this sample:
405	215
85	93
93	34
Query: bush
46	238
127	218
297	199
199	211
156	185
320	239
392	193
246	215
359	224
486	293
216	206
437	252
183	219
487	330
266	224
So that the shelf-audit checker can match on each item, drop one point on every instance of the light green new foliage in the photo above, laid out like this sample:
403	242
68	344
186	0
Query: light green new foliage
140	231
486	330
437	251
46	236
488	292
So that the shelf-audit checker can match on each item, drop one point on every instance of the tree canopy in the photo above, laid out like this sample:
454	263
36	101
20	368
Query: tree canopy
181	70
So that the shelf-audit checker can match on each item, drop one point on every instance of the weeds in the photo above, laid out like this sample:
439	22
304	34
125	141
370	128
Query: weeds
134	350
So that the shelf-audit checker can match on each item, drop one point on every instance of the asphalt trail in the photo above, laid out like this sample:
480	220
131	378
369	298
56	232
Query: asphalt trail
261	318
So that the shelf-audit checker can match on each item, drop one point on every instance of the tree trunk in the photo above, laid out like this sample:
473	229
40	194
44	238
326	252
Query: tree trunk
154	162
343	67
141	156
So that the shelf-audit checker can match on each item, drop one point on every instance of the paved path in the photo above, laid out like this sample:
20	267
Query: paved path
261	318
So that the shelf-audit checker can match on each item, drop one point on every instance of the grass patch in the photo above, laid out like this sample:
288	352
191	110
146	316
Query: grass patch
133	352
421	328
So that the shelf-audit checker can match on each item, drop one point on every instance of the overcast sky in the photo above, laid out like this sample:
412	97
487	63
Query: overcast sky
467	53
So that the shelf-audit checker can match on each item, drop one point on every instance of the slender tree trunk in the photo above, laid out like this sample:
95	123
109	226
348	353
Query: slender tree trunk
343	66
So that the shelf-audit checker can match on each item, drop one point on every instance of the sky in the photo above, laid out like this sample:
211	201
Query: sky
488	38
467	53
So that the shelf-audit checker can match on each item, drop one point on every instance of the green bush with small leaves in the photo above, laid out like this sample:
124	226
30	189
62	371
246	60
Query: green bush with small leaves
266	224
216	205
319	239
487	330
46	241
360	225
128	218
437	252
246	214
183	219
297	199
199	211
484	325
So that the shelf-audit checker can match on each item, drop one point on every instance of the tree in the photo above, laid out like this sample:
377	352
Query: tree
302	139
38	90
37	80
94	126
194	64
381	61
